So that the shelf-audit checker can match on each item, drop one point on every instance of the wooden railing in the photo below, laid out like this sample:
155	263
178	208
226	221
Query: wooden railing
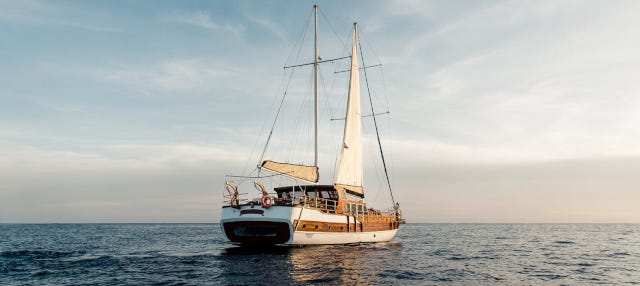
326	205
331	206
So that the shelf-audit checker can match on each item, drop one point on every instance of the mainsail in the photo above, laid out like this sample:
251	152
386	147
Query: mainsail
350	167
307	173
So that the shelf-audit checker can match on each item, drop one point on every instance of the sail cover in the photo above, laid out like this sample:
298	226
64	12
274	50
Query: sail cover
307	173
350	167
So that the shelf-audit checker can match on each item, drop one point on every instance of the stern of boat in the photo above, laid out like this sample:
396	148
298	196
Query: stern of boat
257	225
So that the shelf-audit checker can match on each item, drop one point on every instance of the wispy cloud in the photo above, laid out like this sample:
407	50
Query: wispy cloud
38	13
202	19
171	75
550	83
269	25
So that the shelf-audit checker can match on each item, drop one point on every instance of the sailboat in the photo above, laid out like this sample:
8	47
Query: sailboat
305	212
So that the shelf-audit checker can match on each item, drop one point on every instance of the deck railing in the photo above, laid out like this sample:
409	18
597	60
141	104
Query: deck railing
327	205
331	206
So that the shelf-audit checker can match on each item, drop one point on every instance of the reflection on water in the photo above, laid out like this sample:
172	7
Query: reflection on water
342	264
327	264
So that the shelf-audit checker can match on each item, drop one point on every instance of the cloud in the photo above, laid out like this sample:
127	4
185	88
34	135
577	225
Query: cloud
179	75
203	20
112	183
116	156
270	25
585	190
31	12
554	81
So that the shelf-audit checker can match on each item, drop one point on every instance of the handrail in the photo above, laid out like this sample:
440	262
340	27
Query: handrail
331	206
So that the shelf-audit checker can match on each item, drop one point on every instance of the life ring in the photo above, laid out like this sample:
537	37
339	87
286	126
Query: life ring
267	201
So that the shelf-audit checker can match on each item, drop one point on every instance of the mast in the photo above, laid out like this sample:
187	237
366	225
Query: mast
315	85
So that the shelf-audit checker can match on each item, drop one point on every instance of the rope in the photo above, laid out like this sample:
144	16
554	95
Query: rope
284	95
375	123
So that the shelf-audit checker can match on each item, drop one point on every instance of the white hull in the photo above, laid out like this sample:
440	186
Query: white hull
310	237
289	215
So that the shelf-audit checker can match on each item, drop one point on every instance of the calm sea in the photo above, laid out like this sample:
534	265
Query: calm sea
421	254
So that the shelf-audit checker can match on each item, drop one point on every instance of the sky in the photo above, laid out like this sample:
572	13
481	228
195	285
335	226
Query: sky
500	111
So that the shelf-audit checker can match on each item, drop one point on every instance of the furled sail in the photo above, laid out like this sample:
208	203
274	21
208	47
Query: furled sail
307	173
350	167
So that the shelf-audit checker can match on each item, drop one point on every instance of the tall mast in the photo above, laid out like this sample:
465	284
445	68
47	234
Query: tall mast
315	85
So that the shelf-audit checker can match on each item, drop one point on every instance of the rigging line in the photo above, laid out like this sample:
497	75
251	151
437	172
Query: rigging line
337	139
373	66
375	123
363	116
301	38
344	45
322	61
328	109
252	177
284	95
372	49
386	99
302	123
385	93
302	207
273	125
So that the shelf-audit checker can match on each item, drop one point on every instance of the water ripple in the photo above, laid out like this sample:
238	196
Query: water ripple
196	254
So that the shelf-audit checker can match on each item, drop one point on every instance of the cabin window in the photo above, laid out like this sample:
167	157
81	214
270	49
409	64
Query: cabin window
312	194
285	195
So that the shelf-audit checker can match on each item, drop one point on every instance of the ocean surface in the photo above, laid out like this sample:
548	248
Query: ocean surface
421	254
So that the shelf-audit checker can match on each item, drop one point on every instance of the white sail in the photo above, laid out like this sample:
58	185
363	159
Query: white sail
307	173
350	167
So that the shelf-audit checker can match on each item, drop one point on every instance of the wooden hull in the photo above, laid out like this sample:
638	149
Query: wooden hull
294	225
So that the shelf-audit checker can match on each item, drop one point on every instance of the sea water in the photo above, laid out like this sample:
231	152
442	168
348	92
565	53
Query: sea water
421	254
